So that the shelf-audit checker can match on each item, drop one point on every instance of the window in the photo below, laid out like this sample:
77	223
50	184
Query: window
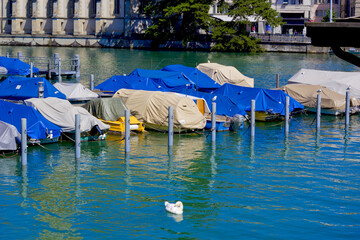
71	8
49	9
92	8
117	7
10	8
29	7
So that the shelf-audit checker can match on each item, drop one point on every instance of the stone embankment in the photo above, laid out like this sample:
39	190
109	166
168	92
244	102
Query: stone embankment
271	43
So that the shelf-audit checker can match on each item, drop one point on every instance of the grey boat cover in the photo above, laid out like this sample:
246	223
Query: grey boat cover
62	113
109	109
225	74
75	91
307	95
333	80
3	70
8	136
152	107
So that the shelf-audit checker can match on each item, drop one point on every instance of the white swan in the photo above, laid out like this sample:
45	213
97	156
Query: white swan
176	208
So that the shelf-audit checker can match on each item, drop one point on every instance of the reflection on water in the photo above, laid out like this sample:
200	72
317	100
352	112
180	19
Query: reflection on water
273	186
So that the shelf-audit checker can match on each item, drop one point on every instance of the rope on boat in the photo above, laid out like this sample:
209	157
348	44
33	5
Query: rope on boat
3	155
68	137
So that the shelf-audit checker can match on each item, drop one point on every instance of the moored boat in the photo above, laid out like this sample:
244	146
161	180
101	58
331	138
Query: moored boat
21	88
269	104
39	129
111	111
62	113
76	93
10	139
332	103
151	107
337	81
225	74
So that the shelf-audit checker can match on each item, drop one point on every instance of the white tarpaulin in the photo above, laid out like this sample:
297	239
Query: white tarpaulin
62	113
225	74
75	91
8	136
333	80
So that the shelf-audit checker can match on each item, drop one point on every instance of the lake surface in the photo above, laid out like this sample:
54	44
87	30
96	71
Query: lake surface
305	186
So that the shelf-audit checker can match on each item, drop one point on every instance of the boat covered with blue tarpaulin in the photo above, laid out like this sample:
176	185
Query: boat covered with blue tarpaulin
171	80
202	81
270	101
15	66
21	88
38	127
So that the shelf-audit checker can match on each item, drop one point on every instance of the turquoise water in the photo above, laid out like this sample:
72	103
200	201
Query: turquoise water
306	186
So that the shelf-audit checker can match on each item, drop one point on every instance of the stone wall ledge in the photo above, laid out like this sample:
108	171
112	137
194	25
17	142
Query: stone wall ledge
121	42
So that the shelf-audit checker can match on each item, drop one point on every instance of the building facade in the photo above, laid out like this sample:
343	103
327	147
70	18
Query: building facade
350	8
71	17
125	17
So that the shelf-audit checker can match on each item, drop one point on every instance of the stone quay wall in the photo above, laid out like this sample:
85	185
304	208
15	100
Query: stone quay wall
119	42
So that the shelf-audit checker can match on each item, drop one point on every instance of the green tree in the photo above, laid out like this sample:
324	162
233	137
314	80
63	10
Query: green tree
326	18
177	19
232	36
182	20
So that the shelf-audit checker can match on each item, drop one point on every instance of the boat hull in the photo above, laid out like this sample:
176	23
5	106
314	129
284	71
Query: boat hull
119	125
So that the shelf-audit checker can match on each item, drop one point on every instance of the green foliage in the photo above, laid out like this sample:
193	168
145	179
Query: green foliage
326	18
231	36
182	19
177	20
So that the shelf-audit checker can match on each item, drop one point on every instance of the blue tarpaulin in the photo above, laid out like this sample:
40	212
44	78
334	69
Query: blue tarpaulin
15	66
224	105
117	82
170	80
37	126
266	100
202	81
21	88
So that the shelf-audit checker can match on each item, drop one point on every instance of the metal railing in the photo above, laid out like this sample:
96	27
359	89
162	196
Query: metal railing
281	38
50	65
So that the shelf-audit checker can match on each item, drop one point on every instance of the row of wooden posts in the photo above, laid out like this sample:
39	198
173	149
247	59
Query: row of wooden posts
171	124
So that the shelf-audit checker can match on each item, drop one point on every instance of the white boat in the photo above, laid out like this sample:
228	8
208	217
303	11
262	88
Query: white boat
334	80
